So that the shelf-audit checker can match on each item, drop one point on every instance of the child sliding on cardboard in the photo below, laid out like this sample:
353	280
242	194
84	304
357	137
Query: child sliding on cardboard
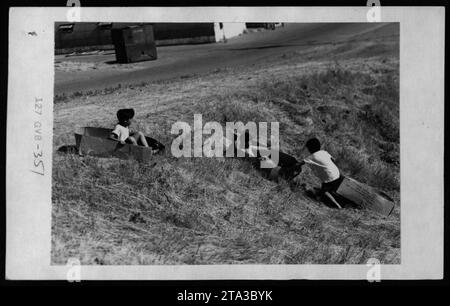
322	164
122	131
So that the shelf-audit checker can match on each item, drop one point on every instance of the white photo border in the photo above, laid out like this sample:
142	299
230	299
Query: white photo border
30	89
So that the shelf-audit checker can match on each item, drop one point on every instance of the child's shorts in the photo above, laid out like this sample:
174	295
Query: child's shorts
333	185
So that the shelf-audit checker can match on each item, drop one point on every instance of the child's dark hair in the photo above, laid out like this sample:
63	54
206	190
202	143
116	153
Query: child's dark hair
125	114
313	145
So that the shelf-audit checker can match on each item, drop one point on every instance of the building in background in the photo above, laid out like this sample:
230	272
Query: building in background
83	36
225	30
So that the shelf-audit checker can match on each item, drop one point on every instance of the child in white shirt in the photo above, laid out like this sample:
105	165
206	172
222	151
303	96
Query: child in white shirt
322	164
122	132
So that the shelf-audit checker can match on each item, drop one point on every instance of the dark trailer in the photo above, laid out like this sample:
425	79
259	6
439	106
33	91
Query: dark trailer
134	43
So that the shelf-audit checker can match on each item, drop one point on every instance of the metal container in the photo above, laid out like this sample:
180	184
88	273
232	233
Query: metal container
134	44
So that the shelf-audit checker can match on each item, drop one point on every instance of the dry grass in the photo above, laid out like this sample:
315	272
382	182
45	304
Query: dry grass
222	211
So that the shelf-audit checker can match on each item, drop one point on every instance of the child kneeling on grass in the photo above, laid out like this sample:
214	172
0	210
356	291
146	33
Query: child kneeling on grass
122	132
322	164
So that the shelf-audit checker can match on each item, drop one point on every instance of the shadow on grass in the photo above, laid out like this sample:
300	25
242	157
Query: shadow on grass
70	149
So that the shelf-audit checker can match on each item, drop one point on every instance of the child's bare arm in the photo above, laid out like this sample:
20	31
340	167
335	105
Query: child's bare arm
115	137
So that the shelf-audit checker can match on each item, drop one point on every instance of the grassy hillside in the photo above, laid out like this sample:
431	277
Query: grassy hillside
221	211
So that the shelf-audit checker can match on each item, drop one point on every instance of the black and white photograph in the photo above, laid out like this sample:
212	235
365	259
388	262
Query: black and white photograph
120	196
263	143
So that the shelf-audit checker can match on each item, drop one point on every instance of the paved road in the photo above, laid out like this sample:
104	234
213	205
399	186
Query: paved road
176	61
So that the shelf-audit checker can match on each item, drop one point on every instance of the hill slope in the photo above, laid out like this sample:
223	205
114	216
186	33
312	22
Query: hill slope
221	211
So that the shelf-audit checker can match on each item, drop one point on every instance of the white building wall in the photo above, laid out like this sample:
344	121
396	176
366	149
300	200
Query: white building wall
229	29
